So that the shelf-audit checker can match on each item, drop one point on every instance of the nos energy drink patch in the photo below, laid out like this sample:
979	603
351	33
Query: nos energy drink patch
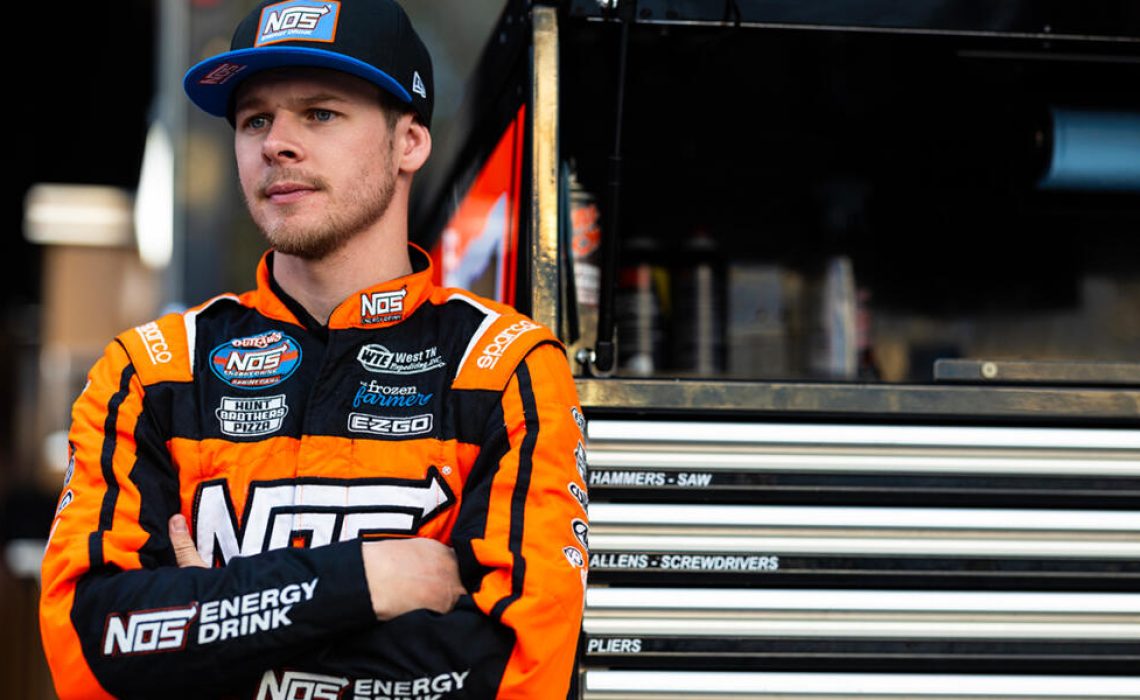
298	20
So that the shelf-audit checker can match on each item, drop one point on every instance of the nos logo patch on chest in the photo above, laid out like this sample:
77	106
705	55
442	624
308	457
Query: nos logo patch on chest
315	512
257	361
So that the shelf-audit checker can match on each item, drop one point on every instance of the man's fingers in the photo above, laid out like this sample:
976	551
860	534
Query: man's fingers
184	550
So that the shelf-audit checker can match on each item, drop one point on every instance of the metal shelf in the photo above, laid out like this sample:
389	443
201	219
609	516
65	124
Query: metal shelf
1079	406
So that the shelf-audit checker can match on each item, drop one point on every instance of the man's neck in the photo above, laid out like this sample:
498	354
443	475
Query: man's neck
321	285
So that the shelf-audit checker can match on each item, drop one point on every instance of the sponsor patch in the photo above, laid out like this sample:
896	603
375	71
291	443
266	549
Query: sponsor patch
155	342
581	531
257	361
489	357
147	631
574	556
67	475
317	511
580	461
382	307
298	20
421	688
298	684
579	419
68	497
372	393
221	74
377	358
579	495
387	425
259	611
246	417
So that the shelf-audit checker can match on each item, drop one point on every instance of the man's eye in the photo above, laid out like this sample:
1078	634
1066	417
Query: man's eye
258	121
322	115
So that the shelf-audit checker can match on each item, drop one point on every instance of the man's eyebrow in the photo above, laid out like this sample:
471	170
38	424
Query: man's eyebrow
255	102
321	97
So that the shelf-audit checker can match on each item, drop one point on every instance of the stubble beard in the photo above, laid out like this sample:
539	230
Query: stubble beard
360	208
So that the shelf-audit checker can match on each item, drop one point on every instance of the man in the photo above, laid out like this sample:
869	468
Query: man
387	479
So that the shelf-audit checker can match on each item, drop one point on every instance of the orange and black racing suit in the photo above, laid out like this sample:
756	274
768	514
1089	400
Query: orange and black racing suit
417	410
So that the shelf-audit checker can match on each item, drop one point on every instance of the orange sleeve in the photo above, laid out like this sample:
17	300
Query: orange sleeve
96	524
534	544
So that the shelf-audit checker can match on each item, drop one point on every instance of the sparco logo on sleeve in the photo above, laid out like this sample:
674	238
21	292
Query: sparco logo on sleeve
495	349
297	684
296	20
147	631
155	342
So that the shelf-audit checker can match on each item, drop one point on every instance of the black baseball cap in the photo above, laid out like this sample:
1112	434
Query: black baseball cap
371	39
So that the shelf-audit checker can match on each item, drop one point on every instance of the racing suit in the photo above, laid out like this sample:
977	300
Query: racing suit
418	410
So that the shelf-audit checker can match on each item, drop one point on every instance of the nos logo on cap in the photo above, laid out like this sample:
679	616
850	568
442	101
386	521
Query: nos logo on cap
298	20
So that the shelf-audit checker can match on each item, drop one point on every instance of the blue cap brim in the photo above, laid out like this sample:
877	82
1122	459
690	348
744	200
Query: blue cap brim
229	69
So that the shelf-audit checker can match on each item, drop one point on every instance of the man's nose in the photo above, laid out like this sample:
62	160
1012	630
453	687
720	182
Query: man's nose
282	141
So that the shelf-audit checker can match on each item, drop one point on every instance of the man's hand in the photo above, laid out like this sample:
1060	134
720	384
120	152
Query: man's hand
184	550
411	574
402	574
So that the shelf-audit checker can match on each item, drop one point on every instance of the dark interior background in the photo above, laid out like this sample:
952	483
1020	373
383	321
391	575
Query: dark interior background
917	155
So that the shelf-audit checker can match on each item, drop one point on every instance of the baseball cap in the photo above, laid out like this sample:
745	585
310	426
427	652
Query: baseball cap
371	39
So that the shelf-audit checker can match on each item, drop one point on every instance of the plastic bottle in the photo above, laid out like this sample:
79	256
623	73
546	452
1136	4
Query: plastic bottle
698	345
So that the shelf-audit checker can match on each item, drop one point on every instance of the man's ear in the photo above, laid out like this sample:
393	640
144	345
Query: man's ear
415	144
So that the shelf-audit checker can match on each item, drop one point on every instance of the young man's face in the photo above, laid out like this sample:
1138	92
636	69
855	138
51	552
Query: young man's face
315	157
